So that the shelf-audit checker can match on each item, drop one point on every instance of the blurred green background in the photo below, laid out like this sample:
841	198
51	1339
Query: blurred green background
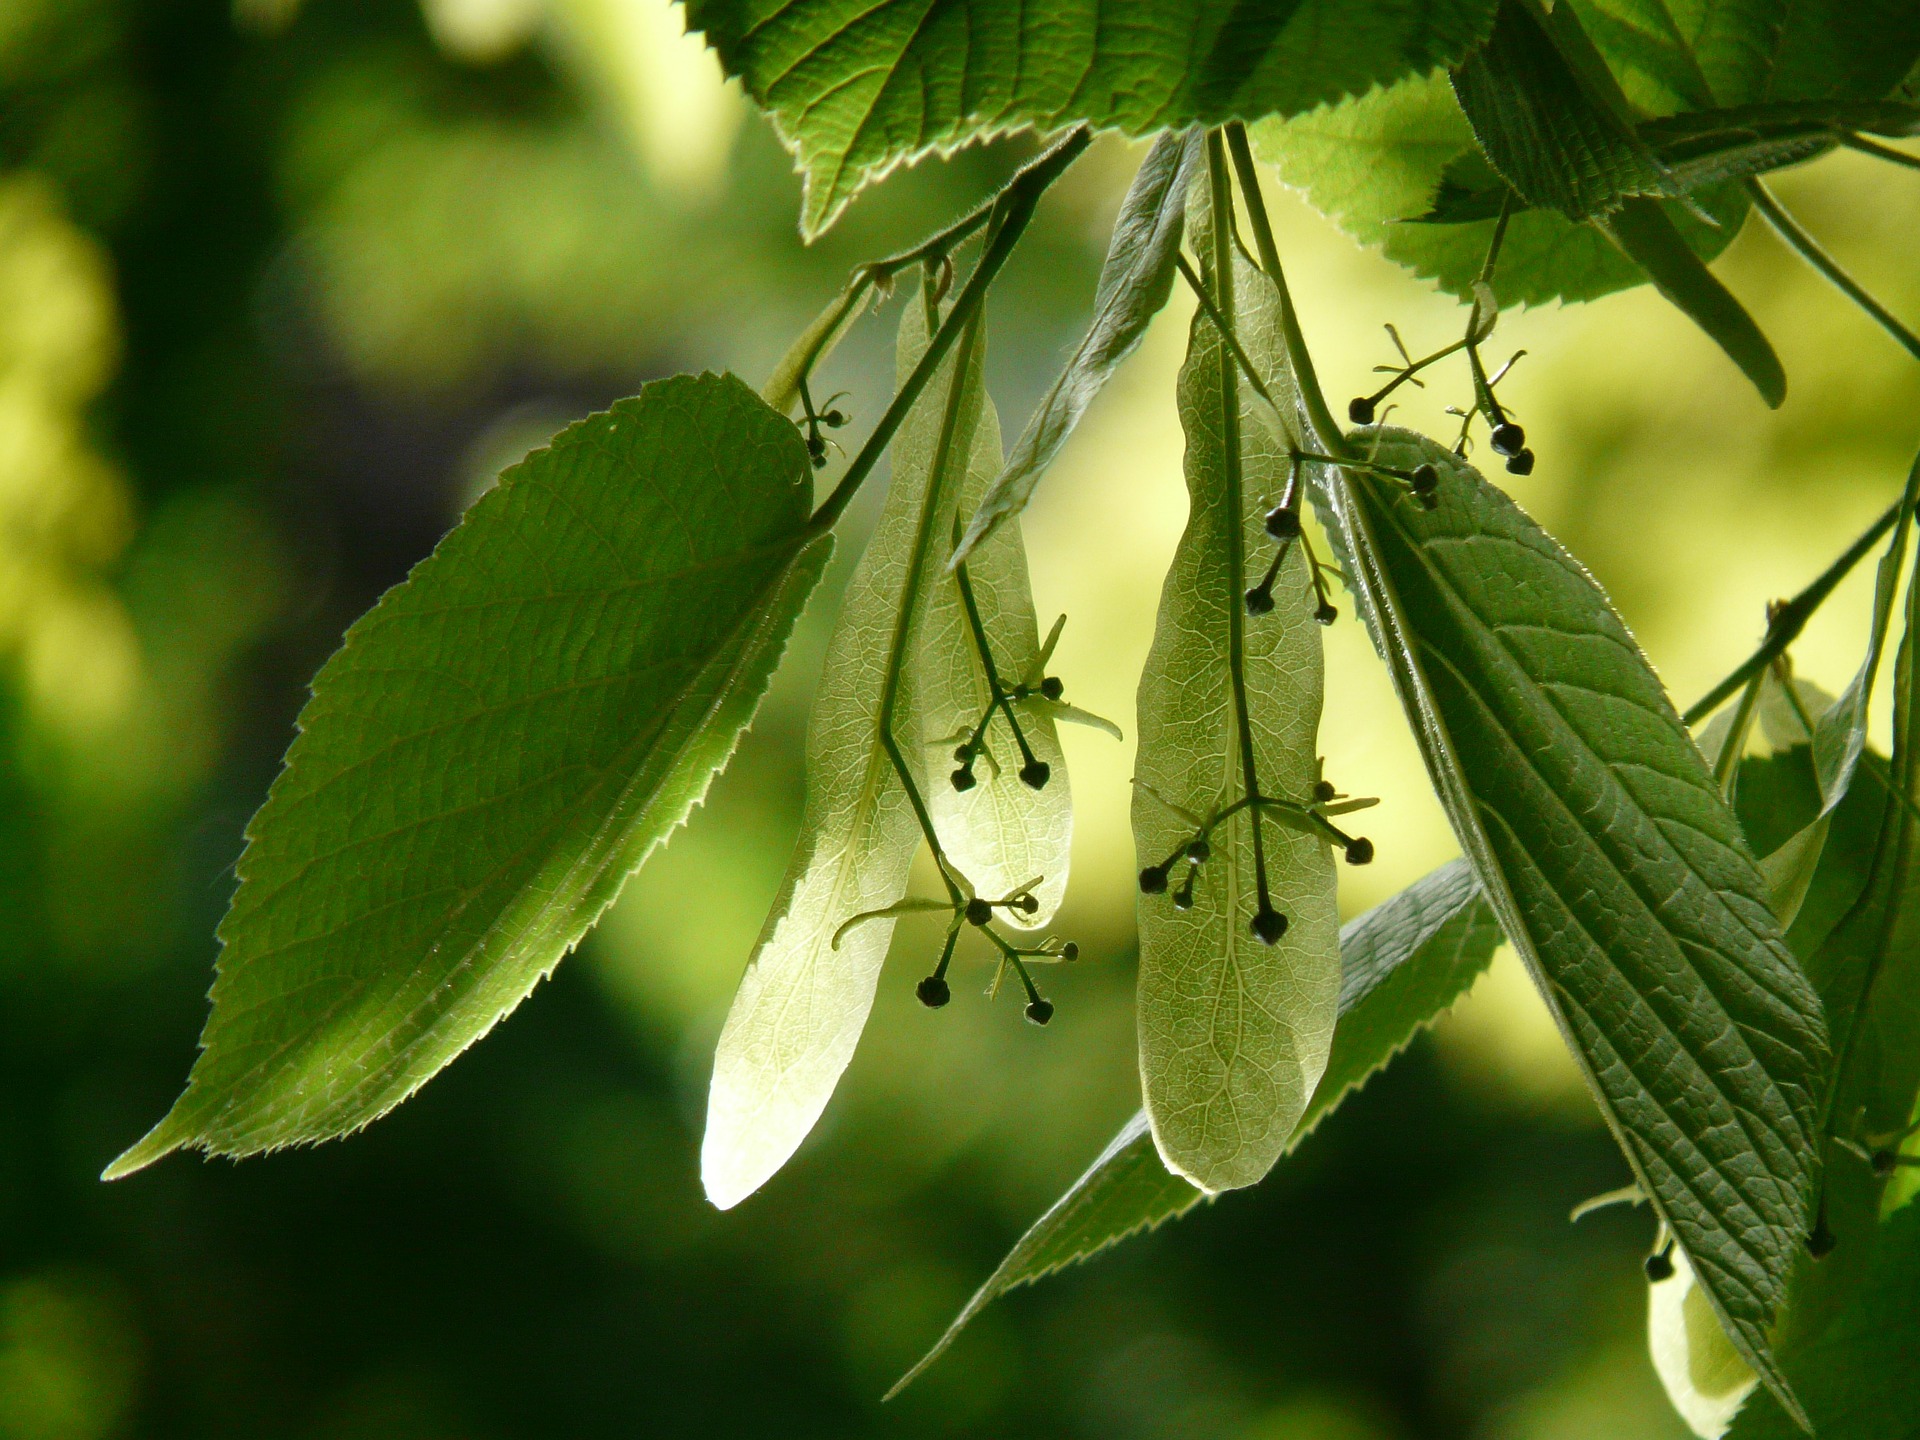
279	293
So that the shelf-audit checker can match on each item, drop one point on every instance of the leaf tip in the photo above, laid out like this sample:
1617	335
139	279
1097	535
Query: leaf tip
158	1143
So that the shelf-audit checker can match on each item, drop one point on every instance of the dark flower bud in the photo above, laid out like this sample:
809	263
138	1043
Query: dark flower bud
1069	951
1259	600
1326	614
933	992
1268	926
1040	1011
1508	439
963	753
1027	905
1884	1162
1183	897
1035	774
1199	852
979	912
1283	522
1153	881
1521	464
1424	480
963	779
1659	1266
1360	851
1821	1242
1053	687
1323	791
1360	410
835	418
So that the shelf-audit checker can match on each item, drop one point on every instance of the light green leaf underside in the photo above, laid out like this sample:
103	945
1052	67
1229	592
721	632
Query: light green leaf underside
803	1002
1134	284
1857	1378
495	746
1402	964
1002	833
857	86
1233	1032
1613	863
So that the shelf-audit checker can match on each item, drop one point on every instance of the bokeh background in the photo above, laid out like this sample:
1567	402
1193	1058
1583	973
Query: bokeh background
281	289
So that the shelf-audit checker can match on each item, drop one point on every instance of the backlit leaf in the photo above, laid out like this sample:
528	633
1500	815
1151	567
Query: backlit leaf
495	746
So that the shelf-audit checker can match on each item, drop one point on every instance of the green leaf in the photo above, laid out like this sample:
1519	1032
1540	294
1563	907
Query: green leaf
819	340
1134	284
857	86
1375	163
1002	833
1612	861
1857	1377
495	746
1715	146
804	1001
1403	963
1233	1032
1557	143
1705	1376
1650	238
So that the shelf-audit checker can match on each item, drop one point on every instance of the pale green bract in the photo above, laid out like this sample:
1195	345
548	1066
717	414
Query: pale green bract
1002	834
1612	861
810	985
1402	964
1233	1032
495	746
857	86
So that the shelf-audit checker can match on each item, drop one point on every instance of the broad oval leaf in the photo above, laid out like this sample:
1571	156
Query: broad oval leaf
1233	1032
1403	963
1611	859
804	999
856	87
495	746
1134	284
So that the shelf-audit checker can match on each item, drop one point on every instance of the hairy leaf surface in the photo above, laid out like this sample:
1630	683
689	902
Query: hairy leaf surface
1134	284
495	746
1612	861
1402	964
804	999
1233	1032
857	86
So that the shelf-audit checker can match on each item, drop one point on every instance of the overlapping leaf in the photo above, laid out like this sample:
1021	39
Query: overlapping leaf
495	746
1612	862
1134	284
809	987
857	86
1233	1032
1402	964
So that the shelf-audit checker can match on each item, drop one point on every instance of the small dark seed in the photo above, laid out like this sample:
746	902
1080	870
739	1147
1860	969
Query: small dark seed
1659	1267
1360	410
1069	951
1360	851
1153	881
1036	774
1521	464
963	779
1040	1011
835	418
1283	523
1323	791
1053	687
1027	905
1199	852
933	992
1821	1242
1326	614
1508	439
1259	600
1424	480
979	912
1269	926
819	459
